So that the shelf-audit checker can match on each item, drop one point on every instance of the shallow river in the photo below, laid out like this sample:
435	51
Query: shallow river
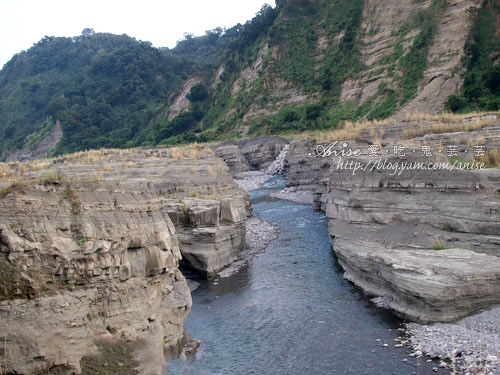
289	310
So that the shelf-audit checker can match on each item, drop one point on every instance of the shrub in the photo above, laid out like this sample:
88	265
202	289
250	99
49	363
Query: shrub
15	186
71	196
491	158
439	245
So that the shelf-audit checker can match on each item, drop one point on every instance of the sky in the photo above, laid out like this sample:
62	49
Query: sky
25	22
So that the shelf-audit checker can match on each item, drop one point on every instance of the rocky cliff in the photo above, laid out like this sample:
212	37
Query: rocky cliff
424	240
81	263
388	34
45	145
254	154
322	62
90	247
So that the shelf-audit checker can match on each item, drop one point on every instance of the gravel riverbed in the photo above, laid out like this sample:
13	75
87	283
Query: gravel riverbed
259	234
252	180
470	346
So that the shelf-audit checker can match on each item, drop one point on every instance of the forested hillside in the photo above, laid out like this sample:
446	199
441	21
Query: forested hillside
303	64
103	88
481	89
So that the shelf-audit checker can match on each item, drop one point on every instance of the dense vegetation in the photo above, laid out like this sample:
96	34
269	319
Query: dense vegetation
101	87
114	91
294	35
481	89
104	89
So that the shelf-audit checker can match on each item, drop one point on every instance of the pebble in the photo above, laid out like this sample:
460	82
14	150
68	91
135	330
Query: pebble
252	180
471	343
259	234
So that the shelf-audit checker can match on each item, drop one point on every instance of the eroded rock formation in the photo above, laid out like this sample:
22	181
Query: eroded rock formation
90	249
426	241
250	155
88	264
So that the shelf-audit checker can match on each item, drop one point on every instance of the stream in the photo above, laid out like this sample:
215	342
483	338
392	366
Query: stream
290	311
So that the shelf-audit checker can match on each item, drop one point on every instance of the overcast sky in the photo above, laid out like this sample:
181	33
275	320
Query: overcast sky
25	22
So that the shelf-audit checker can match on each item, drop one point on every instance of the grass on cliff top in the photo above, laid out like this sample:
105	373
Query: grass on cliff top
15	171
436	124
491	158
18	183
431	124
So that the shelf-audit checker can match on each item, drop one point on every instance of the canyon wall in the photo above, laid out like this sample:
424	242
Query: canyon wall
80	264
90	248
249	154
424	241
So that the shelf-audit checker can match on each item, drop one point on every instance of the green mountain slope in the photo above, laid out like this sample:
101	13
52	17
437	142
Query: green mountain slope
322	62
103	88
303	64
481	89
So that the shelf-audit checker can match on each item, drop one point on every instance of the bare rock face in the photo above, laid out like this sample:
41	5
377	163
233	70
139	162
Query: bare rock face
209	211
211	232
90	247
380	38
181	103
386	227
251	154
43	148
233	157
423	285
426	242
380	19
444	58
90	263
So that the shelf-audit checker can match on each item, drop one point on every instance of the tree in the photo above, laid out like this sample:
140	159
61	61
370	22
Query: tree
88	31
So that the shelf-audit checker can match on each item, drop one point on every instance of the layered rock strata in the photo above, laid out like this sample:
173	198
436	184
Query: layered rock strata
207	207
90	249
211	232
250	155
83	263
425	241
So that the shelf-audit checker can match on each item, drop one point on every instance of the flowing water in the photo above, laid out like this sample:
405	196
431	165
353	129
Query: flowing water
289	310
